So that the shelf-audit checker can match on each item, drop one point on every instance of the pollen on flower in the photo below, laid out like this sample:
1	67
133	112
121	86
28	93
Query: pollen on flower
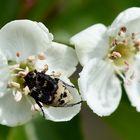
123	47
133	36
114	43
123	29
31	58
41	56
22	73
115	55
18	70
14	85
18	54
137	44
26	90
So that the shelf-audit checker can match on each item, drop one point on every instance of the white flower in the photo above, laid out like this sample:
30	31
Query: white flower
27	46
108	54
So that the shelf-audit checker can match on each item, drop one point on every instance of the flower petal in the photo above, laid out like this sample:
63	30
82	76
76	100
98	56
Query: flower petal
14	113
4	74
130	16
91	43
133	89
100	87
60	58
58	114
24	36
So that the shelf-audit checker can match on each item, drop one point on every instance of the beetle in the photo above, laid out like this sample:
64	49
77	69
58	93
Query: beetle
49	90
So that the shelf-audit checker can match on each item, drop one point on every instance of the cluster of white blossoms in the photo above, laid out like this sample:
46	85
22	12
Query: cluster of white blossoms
110	58
26	46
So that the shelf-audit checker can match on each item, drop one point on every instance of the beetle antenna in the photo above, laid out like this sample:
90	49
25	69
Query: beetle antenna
70	105
66	84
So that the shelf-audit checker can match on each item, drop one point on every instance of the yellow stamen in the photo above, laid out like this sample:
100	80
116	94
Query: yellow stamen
41	56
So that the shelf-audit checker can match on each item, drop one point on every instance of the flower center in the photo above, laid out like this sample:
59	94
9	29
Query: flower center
123	48
18	70
122	53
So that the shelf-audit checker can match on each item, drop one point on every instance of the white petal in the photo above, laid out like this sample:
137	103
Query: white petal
25	37
133	89
60	58
14	113
4	74
100	87
129	16
58	114
91	42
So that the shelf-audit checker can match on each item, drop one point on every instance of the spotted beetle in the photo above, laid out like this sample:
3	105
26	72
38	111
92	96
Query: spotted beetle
48	90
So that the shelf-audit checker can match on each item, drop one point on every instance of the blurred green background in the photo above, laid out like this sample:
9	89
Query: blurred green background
65	18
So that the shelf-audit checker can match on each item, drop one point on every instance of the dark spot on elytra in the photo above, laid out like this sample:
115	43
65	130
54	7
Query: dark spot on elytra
61	96
65	94
62	102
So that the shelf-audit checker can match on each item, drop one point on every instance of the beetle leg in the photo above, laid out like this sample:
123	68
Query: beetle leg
40	107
